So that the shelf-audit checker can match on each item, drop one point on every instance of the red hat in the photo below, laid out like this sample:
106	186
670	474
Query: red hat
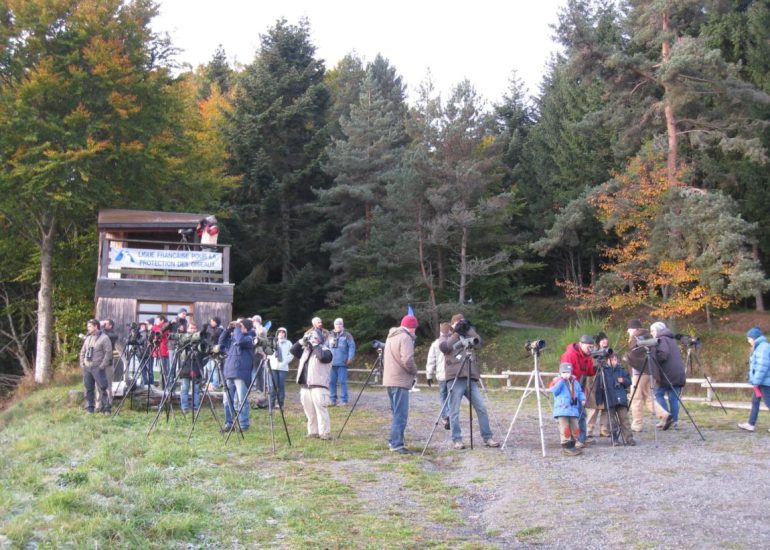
409	321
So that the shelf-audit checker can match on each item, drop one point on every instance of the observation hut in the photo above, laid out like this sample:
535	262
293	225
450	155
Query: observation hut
151	263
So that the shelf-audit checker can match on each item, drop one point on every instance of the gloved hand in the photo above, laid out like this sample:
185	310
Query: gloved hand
430	382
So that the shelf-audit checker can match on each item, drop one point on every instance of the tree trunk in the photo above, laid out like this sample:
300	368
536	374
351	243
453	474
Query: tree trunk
45	304
463	265
758	298
593	271
671	159
427	278
285	239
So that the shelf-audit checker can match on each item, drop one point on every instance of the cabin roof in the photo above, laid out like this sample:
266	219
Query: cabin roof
112	218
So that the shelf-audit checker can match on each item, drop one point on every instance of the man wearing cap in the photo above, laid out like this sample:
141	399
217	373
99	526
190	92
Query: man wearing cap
578	354
398	374
95	355
568	403
313	370
641	382
238	342
670	374
343	350
462	373
759	375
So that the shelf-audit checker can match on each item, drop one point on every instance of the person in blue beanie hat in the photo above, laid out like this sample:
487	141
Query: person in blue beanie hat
759	375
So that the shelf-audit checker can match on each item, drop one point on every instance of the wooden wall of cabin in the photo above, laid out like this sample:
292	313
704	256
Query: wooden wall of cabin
204	311
120	310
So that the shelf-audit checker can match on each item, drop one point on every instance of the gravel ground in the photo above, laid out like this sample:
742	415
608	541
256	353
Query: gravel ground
676	492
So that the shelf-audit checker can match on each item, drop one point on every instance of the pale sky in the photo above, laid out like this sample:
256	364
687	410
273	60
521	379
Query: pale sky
482	40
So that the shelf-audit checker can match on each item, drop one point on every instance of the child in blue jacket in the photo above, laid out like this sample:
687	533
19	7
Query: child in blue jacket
568	400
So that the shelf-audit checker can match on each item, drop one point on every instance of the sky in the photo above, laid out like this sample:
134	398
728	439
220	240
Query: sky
482	40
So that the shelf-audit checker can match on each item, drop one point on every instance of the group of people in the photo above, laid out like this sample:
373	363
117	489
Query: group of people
590	393
451	362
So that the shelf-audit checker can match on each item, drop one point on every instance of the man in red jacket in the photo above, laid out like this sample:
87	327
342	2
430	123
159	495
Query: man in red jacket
578	354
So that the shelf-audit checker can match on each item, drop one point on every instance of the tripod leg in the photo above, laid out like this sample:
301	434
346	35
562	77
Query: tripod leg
375	368
242	404
708	378
280	406
518	409
489	409
441	412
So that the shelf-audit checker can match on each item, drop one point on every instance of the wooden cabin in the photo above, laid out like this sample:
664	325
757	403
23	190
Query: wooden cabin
151	264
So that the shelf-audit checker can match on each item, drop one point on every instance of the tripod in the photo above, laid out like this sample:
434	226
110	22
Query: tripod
534	377
461	373
375	369
245	400
649	360
218	358
169	380
692	358
601	377
131	354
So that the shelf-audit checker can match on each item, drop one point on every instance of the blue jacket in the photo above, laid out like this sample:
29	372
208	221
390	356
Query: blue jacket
240	353
343	348
563	404
616	391
759	363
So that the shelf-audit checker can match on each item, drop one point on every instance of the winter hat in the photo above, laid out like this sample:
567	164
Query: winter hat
281	329
657	326
456	317
634	323
586	339
754	333
409	321
565	367
183	310
248	324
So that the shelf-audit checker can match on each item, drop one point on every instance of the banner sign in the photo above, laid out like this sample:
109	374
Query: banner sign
182	260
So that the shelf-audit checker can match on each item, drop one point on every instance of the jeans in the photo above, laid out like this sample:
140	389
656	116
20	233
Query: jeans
755	401
338	373
582	425
673	400
184	394
280	378
477	402
443	392
399	406
237	388
212	374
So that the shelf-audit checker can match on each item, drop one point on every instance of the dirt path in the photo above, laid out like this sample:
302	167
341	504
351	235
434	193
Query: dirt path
678	492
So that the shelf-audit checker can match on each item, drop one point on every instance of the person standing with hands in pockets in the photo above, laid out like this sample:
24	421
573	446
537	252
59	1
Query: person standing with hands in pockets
343	352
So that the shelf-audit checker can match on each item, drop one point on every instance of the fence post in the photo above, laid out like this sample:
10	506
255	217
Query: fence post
709	391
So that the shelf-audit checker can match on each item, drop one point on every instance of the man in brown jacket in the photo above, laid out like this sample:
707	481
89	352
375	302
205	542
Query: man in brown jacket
95	355
399	371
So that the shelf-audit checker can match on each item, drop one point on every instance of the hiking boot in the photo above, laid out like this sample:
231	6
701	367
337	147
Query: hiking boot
579	445
590	440
668	422
571	451
333	404
344	404
491	443
401	451
458	446
226	428
325	437
312	436
631	443
446	422
746	426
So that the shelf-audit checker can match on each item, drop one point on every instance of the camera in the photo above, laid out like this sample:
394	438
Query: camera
379	346
462	327
466	343
687	340
647	342
534	346
601	353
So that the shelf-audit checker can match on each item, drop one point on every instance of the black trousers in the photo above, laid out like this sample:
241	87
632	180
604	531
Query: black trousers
94	376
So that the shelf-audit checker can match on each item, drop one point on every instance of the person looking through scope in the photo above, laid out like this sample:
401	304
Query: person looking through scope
463	370
641	377
313	370
758	376
578	354
670	375
238	342
611	392
398	374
